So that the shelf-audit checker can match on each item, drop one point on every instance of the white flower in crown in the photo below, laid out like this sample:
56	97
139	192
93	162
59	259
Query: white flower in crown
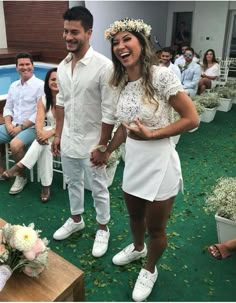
135	25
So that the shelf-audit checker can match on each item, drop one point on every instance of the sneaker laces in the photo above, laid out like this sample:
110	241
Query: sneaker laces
101	236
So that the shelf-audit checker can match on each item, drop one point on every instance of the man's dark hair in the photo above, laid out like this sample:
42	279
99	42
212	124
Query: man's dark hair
185	44
167	50
190	49
23	56
80	13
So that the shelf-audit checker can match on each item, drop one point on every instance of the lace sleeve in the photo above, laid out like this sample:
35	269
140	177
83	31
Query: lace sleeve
166	83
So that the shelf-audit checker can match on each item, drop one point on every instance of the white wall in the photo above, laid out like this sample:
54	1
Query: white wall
3	39
210	20
106	12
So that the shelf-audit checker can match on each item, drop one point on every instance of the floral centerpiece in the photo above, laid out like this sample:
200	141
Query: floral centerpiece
208	100
223	198
21	249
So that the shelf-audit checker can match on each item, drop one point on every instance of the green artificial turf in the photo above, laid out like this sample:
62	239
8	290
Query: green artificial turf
186	271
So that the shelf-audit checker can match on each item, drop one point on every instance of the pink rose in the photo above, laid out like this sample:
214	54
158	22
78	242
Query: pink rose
38	248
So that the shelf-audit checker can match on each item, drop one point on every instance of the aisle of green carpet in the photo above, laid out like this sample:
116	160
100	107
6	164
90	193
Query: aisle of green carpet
186	271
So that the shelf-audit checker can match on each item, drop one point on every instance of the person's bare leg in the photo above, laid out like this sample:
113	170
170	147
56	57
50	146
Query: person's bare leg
157	214
17	149
1	165
136	209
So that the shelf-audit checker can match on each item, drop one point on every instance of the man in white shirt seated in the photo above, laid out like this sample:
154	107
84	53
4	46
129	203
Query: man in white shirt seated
19	114
180	61
166	56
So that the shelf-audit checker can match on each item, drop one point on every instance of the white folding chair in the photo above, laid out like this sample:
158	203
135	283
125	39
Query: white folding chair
8	155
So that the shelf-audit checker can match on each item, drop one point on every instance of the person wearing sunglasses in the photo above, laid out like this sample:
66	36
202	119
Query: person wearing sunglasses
191	73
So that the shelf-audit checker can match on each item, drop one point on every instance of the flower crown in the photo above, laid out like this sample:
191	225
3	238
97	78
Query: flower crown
130	25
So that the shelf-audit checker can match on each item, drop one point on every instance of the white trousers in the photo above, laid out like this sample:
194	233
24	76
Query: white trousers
43	155
74	170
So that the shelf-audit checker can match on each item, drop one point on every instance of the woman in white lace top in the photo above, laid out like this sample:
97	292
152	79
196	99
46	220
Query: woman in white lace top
152	175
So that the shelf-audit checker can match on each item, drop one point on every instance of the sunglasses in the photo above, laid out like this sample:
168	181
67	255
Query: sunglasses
188	55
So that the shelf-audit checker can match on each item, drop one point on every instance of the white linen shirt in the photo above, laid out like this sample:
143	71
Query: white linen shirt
22	100
88	100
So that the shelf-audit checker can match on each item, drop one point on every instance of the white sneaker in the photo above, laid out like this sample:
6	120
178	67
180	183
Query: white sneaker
18	185
144	285
68	228
129	254
100	244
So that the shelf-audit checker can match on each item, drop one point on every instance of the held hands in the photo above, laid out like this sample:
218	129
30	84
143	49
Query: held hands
43	136
99	159
140	130
56	151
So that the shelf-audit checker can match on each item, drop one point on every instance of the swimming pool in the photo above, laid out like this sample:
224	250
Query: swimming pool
8	74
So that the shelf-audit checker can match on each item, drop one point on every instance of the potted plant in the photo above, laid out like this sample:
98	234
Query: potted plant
200	109
222	200
175	117
225	98
232	85
210	103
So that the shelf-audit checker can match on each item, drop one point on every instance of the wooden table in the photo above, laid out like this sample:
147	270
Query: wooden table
62	281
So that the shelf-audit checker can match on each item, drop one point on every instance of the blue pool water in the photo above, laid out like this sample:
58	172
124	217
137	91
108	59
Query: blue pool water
8	74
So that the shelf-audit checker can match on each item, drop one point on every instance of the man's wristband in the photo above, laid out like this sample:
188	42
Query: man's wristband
57	136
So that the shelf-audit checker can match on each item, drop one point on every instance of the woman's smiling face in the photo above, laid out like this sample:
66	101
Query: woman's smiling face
127	49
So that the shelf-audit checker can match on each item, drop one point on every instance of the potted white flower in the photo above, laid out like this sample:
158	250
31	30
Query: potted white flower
232	84
222	200
210	103
225	98
200	109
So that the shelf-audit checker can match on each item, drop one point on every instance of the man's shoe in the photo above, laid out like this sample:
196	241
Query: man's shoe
144	285
100	244
68	228
129	254
18	185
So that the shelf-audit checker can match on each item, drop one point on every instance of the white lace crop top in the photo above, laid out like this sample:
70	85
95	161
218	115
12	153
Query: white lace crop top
131	107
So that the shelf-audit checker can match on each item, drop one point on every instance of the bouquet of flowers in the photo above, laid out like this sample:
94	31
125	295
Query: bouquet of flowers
21	249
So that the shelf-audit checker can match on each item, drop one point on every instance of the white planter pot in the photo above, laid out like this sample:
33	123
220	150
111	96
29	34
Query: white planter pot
175	139
110	176
225	104
208	115
226	229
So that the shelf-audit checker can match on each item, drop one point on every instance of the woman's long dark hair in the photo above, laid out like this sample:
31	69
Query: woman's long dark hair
205	63
47	90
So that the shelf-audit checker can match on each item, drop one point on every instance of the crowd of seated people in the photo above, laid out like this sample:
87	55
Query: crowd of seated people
194	76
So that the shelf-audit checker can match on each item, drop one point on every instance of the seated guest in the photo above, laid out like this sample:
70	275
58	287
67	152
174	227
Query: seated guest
166	56
180	61
191	73
20	114
210	71
40	150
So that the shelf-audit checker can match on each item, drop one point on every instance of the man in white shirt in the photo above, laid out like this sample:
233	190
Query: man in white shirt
166	56
85	110
20	114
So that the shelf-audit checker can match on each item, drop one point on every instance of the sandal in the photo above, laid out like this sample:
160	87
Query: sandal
219	251
13	172
45	194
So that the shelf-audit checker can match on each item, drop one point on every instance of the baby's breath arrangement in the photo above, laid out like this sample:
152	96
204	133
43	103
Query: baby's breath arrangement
225	92
223	198
208	100
199	107
130	25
